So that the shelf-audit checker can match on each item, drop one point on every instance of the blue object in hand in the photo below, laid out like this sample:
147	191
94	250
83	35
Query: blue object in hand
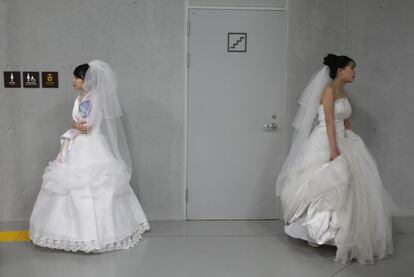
85	108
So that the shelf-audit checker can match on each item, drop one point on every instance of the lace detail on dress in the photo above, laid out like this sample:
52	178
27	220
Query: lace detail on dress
92	246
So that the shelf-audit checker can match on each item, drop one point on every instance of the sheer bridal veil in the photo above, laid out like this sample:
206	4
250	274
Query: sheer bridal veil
303	122
100	81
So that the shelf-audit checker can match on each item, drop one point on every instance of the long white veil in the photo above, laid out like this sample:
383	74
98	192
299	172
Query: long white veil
100	81
303	122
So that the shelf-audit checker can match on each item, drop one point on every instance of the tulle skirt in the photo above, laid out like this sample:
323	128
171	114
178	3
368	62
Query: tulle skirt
340	202
86	203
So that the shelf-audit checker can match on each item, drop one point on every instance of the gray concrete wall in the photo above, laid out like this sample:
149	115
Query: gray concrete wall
144	41
378	35
239	3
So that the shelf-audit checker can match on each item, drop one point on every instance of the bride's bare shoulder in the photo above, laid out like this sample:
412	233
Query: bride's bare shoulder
328	89
327	94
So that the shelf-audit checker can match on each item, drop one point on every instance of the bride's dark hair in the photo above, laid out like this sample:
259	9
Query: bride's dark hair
335	62
80	71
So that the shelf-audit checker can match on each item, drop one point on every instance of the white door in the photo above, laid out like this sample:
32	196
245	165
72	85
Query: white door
235	88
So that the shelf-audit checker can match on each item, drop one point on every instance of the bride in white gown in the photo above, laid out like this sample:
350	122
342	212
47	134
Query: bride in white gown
330	188
86	202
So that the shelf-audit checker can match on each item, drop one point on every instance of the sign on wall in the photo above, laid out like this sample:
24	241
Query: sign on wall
12	79
50	79
237	42
31	79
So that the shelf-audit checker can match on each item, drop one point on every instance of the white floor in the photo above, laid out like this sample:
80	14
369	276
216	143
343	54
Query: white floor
203	248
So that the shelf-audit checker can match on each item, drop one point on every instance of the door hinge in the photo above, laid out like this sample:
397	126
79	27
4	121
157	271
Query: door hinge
188	60
188	28
186	195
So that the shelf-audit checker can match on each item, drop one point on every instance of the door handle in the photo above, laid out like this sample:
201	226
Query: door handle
272	126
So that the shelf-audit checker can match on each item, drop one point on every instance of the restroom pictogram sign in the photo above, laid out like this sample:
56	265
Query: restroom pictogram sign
50	79
12	79
31	79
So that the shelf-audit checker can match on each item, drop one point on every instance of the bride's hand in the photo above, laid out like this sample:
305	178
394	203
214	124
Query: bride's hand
334	154
81	126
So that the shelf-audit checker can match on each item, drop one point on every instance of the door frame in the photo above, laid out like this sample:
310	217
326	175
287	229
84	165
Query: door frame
186	64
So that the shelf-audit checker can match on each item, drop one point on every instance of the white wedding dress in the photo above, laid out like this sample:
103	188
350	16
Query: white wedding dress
340	202
86	202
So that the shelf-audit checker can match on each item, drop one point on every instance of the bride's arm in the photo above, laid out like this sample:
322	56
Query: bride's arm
328	102
81	126
86	123
347	121
95	108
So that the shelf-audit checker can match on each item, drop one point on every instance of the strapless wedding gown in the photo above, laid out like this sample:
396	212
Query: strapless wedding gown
340	202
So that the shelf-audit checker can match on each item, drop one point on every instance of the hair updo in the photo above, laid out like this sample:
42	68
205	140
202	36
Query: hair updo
80	71
335	62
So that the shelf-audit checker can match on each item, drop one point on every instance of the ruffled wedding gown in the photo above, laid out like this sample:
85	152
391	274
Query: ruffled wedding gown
86	202
340	202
